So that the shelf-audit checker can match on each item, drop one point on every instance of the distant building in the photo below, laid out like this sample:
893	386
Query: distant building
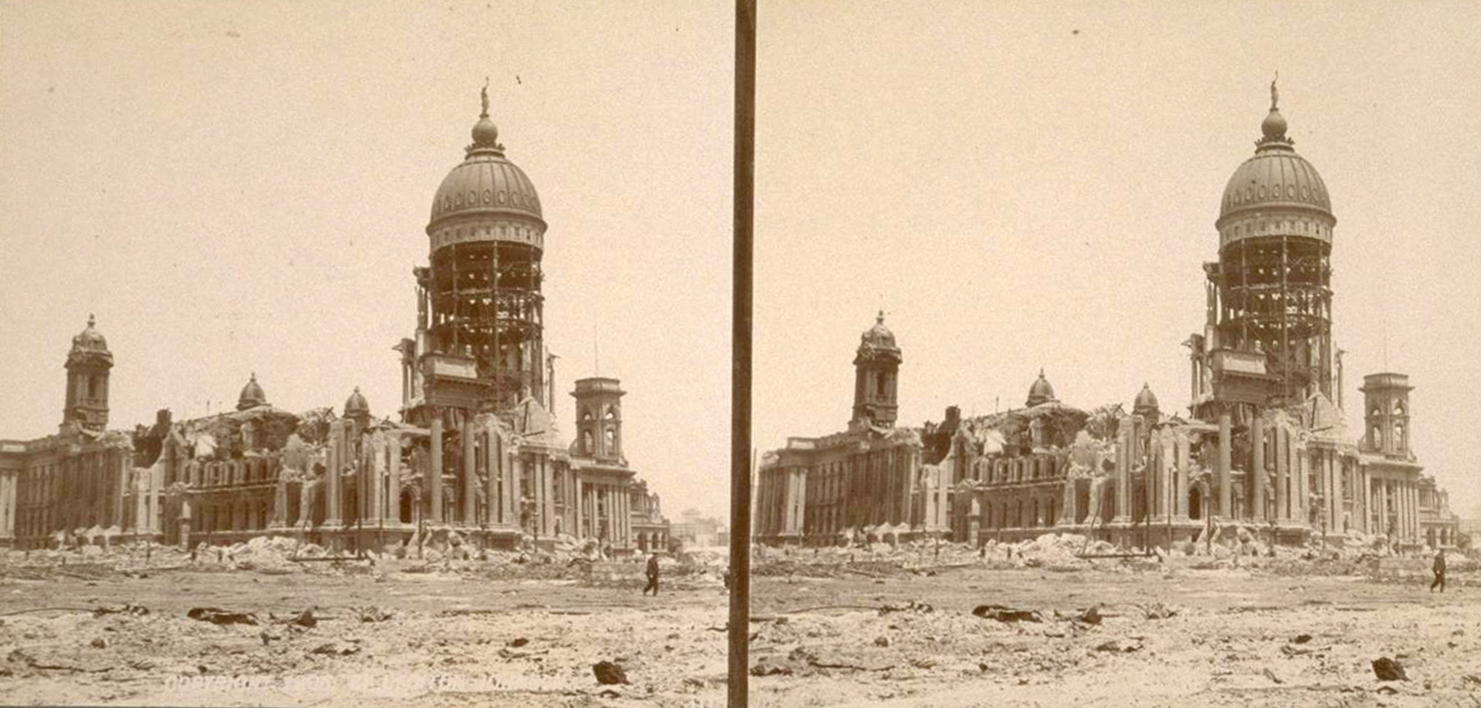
693	529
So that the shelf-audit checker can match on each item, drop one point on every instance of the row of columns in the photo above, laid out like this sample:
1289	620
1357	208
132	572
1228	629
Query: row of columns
609	503
1403	497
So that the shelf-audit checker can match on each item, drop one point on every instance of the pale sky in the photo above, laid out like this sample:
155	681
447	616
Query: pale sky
245	187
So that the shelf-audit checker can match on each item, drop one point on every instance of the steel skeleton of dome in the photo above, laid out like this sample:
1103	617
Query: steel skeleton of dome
1270	291
486	238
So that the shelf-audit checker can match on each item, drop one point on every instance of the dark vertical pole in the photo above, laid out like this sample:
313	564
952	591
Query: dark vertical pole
740	372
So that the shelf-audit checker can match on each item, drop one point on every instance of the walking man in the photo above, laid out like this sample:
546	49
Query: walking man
652	574
1439	571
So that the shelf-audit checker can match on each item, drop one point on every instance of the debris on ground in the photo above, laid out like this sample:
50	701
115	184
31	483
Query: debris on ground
1122	646
372	614
1157	611
1387	669
124	609
1006	614
337	649
608	673
216	615
303	619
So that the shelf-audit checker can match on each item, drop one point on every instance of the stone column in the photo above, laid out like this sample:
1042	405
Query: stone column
1226	490
578	527
799	501
1401	498
7	525
624	505
334	462
435	513
1367	487
1123	472
516	485
506	486
280	502
1071	510
379	463
1282	475
1165	464
1182	443
469	475
547	472
1412	527
1303	485
1257	466
1338	486
120	474
490	442
394	473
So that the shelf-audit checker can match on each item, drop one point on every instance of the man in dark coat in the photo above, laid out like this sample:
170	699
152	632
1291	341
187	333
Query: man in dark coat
652	574
1439	571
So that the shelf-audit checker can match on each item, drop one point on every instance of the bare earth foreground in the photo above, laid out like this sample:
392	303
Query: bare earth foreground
469	635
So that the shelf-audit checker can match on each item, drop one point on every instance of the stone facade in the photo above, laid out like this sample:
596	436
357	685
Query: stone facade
1264	452
475	459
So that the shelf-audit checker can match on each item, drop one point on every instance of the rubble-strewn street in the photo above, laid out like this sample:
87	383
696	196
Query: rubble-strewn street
889	627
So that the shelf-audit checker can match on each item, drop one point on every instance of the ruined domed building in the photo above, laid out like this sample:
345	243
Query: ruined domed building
473	456
1264	450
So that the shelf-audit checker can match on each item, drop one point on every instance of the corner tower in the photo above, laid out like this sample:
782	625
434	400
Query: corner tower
599	418
1386	406
1270	292
876	374
88	364
480	309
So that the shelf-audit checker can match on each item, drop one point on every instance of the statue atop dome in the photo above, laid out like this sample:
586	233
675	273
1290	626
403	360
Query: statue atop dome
1274	94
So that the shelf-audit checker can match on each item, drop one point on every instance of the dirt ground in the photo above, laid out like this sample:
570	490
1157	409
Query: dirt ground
458	636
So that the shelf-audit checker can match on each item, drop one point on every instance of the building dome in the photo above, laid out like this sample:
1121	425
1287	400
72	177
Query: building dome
1040	392
1146	401
878	342
1274	178
252	395
90	339
356	406
486	182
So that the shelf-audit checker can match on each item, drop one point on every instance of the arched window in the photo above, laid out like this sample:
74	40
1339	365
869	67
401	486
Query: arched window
1377	437
611	438
586	441
1399	436
1398	408
611	412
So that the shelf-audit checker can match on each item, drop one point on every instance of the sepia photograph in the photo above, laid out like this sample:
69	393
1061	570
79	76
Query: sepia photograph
823	353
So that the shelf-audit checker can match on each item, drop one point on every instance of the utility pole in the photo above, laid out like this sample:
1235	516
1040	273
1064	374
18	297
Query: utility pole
743	195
